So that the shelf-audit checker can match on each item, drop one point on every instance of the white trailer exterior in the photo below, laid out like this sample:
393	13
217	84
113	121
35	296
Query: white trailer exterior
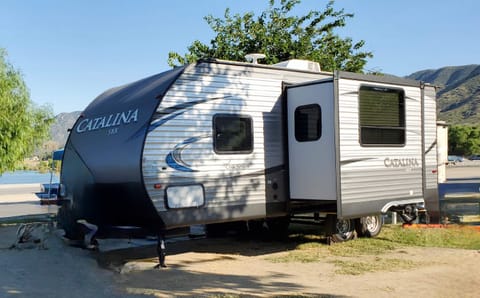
363	176
218	141
180	149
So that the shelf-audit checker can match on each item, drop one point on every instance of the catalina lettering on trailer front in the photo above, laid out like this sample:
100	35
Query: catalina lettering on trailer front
108	121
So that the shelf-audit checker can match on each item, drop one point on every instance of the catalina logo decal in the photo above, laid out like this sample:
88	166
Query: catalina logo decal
108	121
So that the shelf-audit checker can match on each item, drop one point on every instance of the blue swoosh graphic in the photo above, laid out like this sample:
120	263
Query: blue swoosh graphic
177	110
171	162
174	157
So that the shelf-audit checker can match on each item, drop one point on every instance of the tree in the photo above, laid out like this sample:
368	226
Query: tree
23	126
464	140
281	36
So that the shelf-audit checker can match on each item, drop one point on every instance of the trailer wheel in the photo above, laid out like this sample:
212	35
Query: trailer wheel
343	229
369	226
409	214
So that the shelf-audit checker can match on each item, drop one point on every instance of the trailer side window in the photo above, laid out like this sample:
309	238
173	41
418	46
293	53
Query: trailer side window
382	116
308	123
232	134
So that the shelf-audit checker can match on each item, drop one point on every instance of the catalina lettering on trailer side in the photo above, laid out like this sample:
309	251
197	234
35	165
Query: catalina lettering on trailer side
112	120
401	162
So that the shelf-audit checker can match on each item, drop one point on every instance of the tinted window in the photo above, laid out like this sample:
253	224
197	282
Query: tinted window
382	116
308	123
232	134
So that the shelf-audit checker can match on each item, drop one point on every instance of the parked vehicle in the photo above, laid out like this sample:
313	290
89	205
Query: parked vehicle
474	157
454	159
49	191
221	141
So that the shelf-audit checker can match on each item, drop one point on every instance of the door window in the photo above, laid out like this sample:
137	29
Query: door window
308	123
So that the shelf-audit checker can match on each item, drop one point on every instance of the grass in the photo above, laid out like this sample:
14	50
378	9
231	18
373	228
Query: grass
453	237
369	254
378	264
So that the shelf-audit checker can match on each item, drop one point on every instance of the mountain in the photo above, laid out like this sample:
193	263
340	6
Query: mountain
59	129
458	96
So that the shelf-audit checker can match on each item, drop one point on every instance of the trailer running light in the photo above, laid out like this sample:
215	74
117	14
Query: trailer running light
434	171
157	186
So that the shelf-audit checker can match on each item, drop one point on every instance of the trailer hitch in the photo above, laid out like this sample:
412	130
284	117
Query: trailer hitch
161	251
89	231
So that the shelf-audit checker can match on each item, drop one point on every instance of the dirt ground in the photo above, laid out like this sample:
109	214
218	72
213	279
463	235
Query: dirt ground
223	266
226	266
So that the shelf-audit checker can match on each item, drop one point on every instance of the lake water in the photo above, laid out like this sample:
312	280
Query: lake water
25	177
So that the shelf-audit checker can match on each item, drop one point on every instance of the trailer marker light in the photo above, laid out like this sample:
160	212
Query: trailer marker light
157	186
434	171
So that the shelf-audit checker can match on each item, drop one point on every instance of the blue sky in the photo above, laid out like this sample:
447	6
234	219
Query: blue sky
71	51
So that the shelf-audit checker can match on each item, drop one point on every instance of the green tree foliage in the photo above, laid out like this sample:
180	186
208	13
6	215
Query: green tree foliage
281	36
23	126
464	140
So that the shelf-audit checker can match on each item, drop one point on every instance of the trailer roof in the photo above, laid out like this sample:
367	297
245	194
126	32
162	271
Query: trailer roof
266	66
387	79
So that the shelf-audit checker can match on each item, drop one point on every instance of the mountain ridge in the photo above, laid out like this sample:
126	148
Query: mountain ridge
60	128
458	96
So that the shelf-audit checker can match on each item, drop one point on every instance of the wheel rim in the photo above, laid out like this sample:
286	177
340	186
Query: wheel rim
344	228
372	222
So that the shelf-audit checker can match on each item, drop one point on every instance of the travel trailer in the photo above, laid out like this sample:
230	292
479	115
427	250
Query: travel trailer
220	141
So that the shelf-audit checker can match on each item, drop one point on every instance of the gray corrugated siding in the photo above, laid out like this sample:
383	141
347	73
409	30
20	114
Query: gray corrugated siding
364	176
233	180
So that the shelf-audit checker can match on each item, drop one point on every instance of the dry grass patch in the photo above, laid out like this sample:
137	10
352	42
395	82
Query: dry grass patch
355	257
355	267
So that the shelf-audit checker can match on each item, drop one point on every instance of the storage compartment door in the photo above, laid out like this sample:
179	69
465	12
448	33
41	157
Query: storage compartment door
311	141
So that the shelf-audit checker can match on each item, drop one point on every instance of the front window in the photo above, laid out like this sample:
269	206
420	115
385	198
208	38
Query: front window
232	134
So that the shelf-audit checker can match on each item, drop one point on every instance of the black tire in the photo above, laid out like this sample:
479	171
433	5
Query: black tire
409	214
369	226
341	229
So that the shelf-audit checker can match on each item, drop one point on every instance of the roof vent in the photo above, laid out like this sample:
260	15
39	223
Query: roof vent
300	64
254	57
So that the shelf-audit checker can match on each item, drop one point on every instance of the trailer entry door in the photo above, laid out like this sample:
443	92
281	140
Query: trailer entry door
311	141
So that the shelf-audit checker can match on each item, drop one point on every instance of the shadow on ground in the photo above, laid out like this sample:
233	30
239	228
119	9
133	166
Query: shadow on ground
226	245
185	275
